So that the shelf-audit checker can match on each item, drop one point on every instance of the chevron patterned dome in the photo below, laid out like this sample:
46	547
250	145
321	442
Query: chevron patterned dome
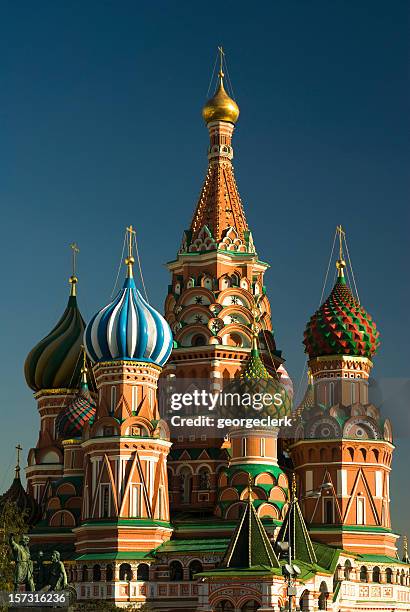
79	411
54	362
341	326
128	328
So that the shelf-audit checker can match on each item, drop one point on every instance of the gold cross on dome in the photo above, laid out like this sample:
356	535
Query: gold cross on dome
342	234
221	61
75	250
131	232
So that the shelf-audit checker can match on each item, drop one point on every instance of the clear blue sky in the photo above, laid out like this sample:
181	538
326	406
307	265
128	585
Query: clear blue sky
100	127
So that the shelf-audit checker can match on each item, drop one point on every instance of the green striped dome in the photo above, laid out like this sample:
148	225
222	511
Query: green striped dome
54	362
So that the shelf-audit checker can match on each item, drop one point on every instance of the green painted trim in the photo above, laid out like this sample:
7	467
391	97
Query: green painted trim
340	529
115	555
127	522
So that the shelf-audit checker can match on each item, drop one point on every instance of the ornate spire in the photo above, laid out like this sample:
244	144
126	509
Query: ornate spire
219	221
16	494
249	545
294	531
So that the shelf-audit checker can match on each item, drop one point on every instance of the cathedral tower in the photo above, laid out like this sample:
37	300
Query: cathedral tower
125	492
343	448
217	282
53	370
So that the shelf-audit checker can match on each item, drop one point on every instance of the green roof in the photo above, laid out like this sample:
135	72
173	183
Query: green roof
295	532
381	559
249	546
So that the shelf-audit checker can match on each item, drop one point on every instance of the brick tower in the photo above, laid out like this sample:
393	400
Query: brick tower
217	283
343	448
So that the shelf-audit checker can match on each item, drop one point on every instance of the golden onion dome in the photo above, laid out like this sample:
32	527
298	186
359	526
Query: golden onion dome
221	107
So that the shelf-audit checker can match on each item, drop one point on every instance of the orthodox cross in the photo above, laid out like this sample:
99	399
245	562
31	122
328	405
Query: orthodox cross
18	449
221	61
75	250
131	233
130	259
342	234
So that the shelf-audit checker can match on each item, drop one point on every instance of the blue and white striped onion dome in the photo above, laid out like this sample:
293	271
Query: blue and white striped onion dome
128	328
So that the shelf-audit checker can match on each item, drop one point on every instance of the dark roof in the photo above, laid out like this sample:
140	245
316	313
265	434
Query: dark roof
249	546
26	504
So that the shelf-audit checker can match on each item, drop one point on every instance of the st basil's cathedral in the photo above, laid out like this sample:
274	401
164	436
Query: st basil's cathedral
251	521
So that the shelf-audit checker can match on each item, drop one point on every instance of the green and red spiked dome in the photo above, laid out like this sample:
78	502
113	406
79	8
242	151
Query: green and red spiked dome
341	326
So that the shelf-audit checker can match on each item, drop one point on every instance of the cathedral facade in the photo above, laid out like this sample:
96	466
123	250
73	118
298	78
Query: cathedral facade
206	522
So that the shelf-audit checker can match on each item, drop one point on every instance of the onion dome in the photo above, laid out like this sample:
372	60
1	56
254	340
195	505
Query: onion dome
128	328
53	363
341	326
79	411
220	107
255	379
25	503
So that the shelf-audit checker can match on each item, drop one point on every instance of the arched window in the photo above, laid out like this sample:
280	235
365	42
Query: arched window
84	573
348	569
304	600
403	578
389	575
96	573
176	572
185	485
143	572
363	573
109	573
198	340
195	567
376	574
204	479
126	572
324	594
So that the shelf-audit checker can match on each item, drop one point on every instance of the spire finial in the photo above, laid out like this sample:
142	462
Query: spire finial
19	448
340	264
84	368
294	487
406	550
221	62
130	259
73	278
250	489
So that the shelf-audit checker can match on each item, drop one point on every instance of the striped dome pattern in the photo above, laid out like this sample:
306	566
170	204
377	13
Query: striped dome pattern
54	362
79	411
128	328
341	326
